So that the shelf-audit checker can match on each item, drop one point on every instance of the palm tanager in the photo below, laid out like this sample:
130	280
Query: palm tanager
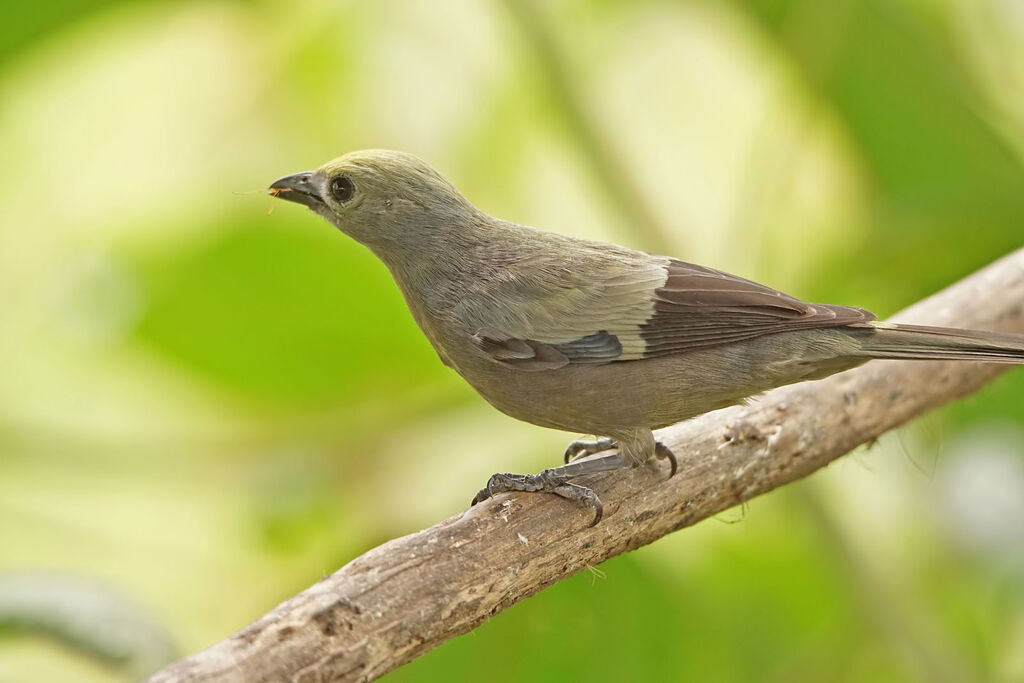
590	337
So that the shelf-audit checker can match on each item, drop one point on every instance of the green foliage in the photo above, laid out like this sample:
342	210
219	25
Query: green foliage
34	21
280	310
207	405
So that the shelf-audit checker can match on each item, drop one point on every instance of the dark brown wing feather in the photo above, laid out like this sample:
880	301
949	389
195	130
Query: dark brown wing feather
699	307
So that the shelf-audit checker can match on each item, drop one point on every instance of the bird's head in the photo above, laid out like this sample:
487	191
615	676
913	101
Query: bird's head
384	199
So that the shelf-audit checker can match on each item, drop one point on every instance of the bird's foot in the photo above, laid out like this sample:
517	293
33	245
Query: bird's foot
559	485
555	480
578	449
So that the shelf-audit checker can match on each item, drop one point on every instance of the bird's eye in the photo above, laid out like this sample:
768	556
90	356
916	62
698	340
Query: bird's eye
342	188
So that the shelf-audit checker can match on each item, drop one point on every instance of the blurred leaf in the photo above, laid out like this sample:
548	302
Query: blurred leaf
283	310
949	193
34	20
1001	400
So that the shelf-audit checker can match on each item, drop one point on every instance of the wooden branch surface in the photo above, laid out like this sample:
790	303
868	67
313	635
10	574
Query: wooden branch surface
409	595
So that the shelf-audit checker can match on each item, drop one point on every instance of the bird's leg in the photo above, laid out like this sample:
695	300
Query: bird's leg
556	480
638	446
578	449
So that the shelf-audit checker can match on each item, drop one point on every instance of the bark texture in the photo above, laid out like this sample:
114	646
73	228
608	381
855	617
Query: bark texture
403	598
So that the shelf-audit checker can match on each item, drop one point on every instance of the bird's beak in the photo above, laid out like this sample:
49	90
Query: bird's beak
297	187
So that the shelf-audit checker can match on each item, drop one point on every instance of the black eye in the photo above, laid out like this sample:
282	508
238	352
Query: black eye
342	188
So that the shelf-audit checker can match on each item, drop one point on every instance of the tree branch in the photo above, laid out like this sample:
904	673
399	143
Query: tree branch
405	597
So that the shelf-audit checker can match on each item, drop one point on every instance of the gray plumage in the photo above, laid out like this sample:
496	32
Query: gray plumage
592	337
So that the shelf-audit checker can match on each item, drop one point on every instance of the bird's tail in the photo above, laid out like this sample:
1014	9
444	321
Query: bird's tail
890	340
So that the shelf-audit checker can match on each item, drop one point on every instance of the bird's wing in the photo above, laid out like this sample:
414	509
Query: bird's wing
644	309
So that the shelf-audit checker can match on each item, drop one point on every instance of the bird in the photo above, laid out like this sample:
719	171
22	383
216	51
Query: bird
591	337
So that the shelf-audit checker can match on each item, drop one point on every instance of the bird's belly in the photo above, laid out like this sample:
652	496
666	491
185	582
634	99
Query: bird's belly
602	399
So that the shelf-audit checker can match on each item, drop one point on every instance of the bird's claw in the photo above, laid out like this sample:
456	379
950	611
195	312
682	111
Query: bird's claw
663	451
578	449
481	495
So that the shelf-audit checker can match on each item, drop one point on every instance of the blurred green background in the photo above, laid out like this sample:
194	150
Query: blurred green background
205	408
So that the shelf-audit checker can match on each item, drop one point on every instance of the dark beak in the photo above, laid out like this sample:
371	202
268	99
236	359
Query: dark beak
299	188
